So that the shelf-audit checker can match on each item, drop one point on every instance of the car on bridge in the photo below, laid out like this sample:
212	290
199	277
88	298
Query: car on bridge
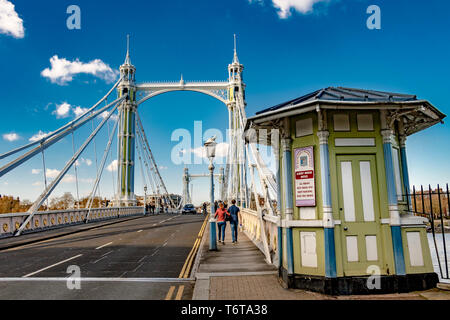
189	209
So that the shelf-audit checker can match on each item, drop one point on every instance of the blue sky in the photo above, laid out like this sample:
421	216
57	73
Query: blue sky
286	53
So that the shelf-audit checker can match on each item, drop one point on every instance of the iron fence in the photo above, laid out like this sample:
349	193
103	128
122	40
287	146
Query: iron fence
435	206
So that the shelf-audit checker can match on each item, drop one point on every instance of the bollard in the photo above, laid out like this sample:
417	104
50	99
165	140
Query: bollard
212	235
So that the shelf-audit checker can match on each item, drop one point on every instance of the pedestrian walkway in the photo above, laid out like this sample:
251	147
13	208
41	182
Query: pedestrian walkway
240	272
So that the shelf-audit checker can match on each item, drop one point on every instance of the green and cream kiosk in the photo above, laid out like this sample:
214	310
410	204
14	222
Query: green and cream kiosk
346	227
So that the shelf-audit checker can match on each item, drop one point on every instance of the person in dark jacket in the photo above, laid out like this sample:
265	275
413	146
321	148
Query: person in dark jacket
235	219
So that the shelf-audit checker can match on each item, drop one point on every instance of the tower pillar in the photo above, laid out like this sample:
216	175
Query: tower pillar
126	135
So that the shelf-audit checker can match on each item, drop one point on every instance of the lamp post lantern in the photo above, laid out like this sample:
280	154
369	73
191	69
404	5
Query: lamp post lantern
210	146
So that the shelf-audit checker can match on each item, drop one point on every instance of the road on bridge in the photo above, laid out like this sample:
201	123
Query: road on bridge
133	259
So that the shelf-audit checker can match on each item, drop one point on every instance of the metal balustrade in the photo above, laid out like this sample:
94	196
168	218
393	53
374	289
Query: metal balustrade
261	228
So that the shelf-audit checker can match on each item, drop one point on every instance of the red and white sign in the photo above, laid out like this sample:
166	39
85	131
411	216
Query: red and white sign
305	186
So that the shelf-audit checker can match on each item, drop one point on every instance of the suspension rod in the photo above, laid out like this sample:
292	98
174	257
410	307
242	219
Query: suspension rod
147	171
152	158
144	155
101	169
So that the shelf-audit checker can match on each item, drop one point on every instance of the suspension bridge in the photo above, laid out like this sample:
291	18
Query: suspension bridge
90	227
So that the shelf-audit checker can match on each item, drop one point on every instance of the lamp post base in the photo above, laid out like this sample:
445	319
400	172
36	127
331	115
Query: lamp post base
212	235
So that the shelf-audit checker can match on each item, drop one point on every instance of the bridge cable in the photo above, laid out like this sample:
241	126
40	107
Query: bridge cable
76	171
149	170
111	159
141	167
96	160
263	179
68	125
153	182
45	174
47	142
101	169
32	211
153	159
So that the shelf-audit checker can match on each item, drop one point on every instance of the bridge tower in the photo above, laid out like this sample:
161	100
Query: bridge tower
236	110
126	136
186	191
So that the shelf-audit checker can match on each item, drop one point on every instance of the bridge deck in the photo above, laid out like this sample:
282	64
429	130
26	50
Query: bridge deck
138	258
239	258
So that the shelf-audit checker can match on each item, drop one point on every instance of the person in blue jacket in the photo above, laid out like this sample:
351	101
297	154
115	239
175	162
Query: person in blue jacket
235	219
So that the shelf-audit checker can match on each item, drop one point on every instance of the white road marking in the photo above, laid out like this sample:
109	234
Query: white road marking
135	269
99	260
103	246
104	255
142	259
154	253
53	265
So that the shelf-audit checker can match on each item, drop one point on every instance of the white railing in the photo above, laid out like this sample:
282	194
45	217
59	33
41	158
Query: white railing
263	231
48	220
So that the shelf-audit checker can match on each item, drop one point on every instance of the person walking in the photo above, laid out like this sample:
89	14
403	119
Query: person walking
235	219
221	215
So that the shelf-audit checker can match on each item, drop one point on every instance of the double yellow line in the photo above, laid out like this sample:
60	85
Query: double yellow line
172	290
185	272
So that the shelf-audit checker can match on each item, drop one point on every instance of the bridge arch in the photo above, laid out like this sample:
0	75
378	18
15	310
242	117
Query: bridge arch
151	95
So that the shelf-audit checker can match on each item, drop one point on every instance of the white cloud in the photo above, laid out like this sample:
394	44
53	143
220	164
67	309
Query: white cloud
104	114
285	7
11	137
38	136
89	180
62	110
37	184
62	70
68	178
79	111
36	171
221	151
52	173
113	166
163	168
65	109
87	162
10	22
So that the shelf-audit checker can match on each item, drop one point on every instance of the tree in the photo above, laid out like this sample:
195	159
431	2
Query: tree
65	202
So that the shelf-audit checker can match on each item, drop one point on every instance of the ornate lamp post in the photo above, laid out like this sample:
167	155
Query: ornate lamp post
210	147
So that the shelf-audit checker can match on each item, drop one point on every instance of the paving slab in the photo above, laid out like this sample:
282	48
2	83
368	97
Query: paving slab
240	272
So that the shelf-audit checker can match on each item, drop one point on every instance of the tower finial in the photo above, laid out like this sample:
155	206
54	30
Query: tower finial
235	60
127	59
